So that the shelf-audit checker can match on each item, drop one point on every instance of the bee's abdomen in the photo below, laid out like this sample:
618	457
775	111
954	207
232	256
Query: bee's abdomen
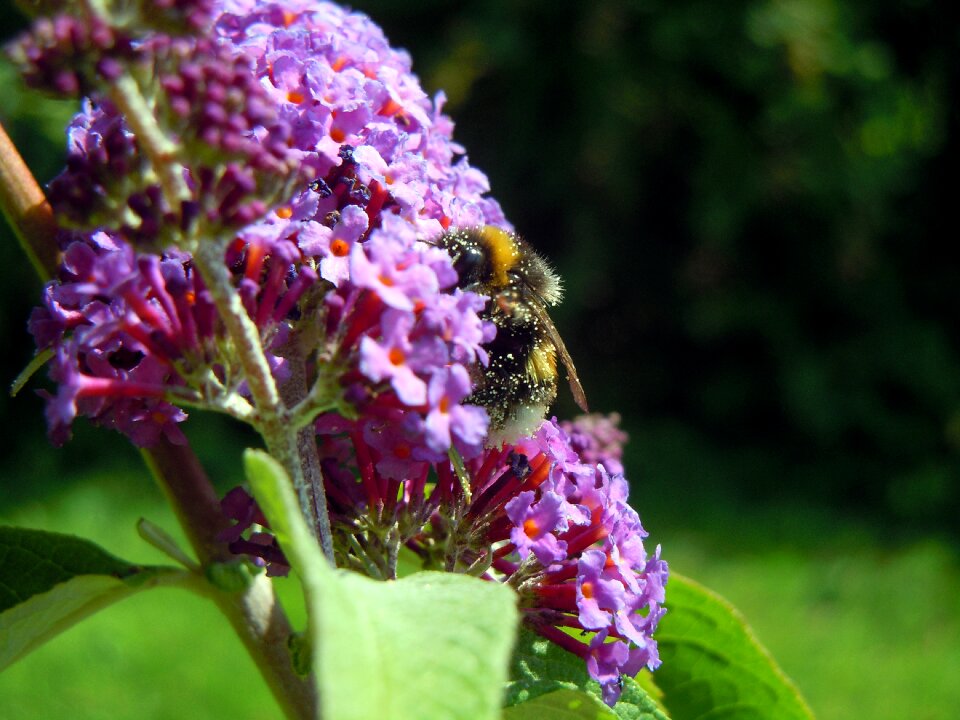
522	373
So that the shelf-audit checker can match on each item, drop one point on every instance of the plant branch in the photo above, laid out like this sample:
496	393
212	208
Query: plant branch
271	413
254	613
293	390
27	210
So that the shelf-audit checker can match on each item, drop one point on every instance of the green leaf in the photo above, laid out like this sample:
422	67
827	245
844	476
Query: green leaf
540	667
561	705
49	582
713	666
432	645
636	704
545	679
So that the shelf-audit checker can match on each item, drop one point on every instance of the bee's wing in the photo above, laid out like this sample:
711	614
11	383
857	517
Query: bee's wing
575	387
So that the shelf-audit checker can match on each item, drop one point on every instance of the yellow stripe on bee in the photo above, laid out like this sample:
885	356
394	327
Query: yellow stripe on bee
504	253
541	363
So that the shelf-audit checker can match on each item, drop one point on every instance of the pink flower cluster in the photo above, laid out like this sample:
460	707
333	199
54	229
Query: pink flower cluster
309	150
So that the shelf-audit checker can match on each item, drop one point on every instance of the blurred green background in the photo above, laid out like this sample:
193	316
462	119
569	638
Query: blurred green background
748	203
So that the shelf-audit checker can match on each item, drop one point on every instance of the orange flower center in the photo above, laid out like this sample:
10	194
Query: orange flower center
531	528
339	247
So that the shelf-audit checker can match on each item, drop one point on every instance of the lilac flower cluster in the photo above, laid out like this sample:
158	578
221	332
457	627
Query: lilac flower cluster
570	544
348	107
339	275
102	156
557	529
133	334
235	150
412	339
57	54
338	84
597	439
66	52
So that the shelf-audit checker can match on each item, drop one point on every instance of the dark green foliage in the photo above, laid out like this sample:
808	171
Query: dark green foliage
34	562
50	581
743	199
712	663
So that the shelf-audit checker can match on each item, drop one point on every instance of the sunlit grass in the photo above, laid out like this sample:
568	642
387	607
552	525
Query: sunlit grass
866	632
160	654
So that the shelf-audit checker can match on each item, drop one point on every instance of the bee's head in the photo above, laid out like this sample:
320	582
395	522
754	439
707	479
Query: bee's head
482	256
472	265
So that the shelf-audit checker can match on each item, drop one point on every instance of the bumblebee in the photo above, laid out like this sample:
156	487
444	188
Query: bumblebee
520	381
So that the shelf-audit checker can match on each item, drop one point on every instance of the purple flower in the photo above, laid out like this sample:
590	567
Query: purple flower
591	569
261	547
305	141
389	271
597	440
397	359
598	597
63	53
448	420
606	661
339	242
536	526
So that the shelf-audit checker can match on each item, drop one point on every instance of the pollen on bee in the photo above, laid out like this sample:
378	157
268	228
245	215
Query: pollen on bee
542	363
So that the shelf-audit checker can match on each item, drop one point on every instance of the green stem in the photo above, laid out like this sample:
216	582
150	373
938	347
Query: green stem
271	413
255	614
125	94
294	390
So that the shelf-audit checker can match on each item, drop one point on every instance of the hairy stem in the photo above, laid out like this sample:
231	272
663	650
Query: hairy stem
272	421
294	391
255	614
271	413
